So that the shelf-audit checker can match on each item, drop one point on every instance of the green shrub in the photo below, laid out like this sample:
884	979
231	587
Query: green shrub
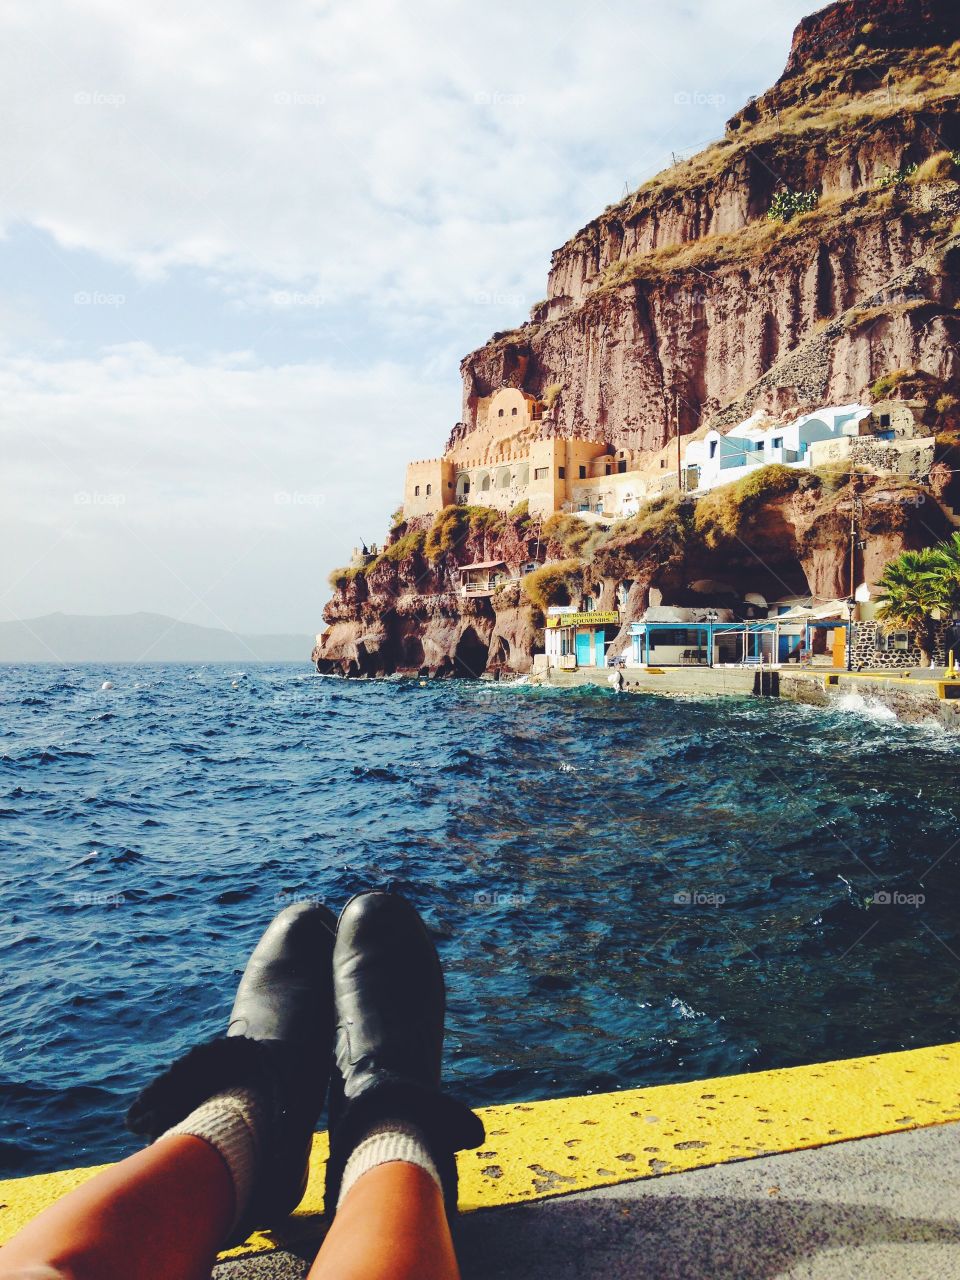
896	177
448	528
569	531
886	385
788	204
551	394
339	578
485	519
406	547
555	583
946	403
521	512
724	513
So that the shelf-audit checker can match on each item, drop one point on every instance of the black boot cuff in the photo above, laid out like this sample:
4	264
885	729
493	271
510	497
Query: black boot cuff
446	1124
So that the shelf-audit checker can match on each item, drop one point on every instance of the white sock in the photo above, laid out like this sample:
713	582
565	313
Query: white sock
230	1122
386	1144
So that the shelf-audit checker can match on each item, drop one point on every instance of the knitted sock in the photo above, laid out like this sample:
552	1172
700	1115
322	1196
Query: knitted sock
231	1122
385	1144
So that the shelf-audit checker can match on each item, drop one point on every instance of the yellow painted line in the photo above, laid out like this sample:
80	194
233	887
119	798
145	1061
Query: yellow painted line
539	1149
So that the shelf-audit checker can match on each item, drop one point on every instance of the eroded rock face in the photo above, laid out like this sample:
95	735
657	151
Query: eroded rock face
890	24
684	299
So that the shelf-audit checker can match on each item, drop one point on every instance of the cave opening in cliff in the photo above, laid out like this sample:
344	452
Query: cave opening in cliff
470	659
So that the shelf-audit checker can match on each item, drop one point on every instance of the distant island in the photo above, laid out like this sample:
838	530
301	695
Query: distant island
139	637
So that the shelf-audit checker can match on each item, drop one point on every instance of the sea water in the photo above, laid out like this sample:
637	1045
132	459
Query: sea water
623	890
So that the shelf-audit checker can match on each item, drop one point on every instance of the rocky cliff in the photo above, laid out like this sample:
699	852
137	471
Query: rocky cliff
687	288
811	251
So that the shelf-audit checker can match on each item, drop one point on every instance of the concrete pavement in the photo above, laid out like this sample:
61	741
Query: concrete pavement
870	1209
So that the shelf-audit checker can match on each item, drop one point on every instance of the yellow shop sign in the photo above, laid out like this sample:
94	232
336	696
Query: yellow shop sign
583	619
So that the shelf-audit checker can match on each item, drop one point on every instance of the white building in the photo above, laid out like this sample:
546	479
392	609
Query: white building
720	459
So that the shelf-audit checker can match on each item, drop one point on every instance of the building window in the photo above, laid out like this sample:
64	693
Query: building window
621	468
758	446
466	487
562	472
884	419
583	473
608	470
541	473
499	413
416	491
513	411
713	449
896	640
588	604
429	490
777	442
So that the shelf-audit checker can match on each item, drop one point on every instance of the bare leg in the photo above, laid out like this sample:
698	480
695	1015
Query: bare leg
158	1215
391	1226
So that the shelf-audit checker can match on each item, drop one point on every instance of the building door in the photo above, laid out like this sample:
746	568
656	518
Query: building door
583	648
840	646
600	640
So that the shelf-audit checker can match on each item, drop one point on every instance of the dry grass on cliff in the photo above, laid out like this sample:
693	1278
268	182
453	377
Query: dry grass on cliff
555	583
725	513
829	110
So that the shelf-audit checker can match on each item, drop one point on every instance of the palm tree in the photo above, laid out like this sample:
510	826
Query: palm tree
946	571
914	593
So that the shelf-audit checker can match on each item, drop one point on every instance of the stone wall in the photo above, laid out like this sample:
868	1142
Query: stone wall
910	458
870	654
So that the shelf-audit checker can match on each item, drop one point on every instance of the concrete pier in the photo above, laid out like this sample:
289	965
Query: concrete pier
913	696
847	1168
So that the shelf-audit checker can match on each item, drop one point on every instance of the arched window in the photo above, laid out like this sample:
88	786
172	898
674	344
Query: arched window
513	411
429	490
499	413
485	483
416	491
503	479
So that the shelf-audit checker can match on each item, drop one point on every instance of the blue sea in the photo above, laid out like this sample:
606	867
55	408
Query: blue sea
624	890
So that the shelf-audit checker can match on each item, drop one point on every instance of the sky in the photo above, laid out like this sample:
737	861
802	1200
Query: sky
244	247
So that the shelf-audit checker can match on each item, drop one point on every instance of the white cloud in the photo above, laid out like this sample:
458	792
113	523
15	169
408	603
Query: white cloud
405	167
391	150
145	475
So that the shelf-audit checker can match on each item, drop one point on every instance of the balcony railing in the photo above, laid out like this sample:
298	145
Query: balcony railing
486	586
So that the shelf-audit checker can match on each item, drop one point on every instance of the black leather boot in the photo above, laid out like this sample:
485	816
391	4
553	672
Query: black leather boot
389	1005
278	1043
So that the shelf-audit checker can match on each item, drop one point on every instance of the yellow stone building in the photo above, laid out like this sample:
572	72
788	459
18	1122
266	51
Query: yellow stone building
505	460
